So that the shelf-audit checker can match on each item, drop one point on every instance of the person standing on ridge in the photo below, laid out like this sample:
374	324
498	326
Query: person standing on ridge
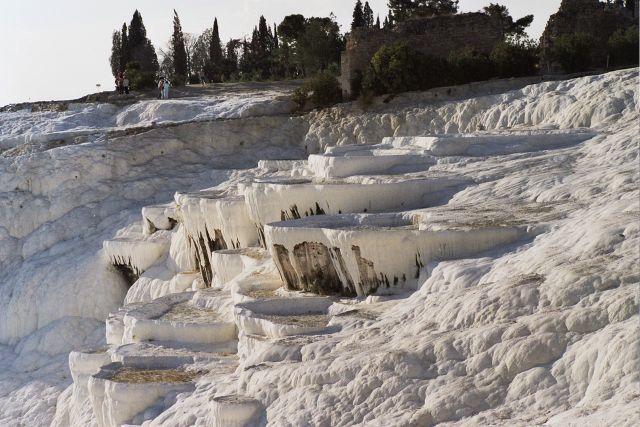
161	87
165	88
125	84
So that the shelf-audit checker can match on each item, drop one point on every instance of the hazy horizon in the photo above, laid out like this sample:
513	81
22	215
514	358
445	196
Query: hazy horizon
60	50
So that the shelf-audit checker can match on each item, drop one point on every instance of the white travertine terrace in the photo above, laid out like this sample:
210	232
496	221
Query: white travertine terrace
514	250
280	199
115	402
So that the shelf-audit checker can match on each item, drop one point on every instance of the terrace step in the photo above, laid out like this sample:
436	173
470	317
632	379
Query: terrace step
214	221
363	254
480	145
174	318
282	199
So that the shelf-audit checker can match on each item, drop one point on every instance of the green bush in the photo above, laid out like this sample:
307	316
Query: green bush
323	90
300	97
138	79
573	51
399	68
515	58
395	68
623	47
469	66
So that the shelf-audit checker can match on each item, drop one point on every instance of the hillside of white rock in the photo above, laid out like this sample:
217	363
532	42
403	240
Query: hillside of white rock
220	262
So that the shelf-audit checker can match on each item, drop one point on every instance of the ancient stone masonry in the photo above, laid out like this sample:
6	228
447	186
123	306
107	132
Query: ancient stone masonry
593	17
435	36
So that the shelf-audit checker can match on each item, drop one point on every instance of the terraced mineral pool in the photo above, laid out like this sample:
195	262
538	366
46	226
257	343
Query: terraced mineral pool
138	376
262	293
307	319
187	313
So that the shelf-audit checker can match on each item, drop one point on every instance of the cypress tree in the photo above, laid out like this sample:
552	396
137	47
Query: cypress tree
216	63
139	48
215	48
378	22
179	51
116	52
358	16
125	52
367	15
276	43
137	32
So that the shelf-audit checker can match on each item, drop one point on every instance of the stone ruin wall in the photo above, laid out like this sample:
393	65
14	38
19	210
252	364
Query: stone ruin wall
436	36
588	16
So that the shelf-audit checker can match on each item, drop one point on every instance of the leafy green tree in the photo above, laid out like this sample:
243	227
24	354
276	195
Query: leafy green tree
399	68
631	5
434	7
368	15
358	16
470	66
200	51
320	45
623	47
394	68
573	51
231	59
510	27
180	69
515	57
323	90
400	10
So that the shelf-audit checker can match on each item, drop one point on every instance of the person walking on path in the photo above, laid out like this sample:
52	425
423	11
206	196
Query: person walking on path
165	88
161	88
125	84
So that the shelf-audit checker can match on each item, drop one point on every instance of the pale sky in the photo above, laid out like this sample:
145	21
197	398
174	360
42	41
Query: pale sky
60	49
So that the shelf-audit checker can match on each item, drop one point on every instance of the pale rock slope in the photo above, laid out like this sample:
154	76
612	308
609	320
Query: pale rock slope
491	278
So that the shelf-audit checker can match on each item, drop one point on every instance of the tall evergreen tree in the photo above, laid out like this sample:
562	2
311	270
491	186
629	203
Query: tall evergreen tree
215	66
231	60
139	48
367	15
378	22
116	53
137	31
215	48
125	51
358	16
179	52
276	43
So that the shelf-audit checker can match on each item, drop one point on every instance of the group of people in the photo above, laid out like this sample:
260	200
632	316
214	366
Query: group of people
163	88
122	83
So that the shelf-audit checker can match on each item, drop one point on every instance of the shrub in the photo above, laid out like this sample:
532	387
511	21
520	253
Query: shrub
515	58
623	47
323	90
139	79
300	97
394	68
470	66
573	51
